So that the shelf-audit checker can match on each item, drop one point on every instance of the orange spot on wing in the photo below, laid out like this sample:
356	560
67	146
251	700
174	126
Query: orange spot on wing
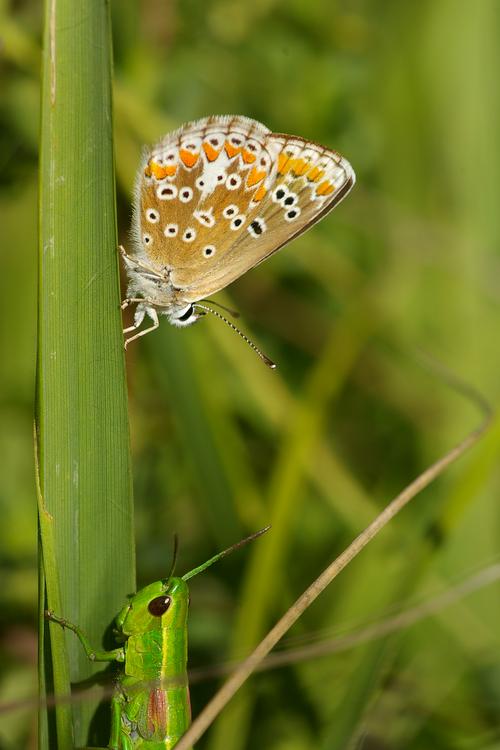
288	164
300	166
171	170
259	194
325	188
188	158
210	152
248	157
254	176
282	160
147	170
231	150
315	174
157	170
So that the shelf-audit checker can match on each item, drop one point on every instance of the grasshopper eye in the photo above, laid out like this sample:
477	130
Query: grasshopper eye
157	607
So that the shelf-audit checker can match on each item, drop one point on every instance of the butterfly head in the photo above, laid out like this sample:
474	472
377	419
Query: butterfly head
153	289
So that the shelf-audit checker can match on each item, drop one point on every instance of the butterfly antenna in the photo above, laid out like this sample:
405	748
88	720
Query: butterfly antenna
264	358
233	313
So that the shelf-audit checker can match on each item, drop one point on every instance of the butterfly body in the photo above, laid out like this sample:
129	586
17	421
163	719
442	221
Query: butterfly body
216	198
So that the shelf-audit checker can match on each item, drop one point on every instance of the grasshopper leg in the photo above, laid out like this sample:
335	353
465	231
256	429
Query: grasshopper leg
117	654
116	714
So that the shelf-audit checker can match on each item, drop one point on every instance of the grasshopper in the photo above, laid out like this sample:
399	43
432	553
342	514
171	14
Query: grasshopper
150	707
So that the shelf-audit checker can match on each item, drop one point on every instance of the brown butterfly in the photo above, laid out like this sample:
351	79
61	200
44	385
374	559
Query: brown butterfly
215	198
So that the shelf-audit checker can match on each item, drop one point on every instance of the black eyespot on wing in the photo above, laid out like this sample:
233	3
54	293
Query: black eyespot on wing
279	194
157	607
256	226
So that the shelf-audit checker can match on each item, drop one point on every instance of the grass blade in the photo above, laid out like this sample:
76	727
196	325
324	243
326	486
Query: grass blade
82	427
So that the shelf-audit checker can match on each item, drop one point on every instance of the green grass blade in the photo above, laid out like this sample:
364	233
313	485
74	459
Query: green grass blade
82	426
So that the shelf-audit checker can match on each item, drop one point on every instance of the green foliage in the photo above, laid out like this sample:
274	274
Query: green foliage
407	91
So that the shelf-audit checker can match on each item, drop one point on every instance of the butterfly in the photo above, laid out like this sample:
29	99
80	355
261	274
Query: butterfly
212	200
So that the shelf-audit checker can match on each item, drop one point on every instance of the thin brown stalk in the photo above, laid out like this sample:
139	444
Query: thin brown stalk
249	665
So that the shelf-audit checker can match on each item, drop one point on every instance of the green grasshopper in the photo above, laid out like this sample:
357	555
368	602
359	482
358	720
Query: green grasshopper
150	707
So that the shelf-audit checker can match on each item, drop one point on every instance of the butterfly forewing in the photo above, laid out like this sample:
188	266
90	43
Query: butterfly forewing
220	195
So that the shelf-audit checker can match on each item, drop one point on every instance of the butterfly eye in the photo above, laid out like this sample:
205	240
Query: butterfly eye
157	607
185	194
237	222
152	215
208	251
184	318
166	192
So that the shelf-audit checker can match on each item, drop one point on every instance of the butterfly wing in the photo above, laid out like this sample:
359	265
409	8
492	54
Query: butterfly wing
220	195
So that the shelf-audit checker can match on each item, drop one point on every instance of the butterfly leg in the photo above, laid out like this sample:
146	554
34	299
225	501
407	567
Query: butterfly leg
134	263
130	301
140	312
139	317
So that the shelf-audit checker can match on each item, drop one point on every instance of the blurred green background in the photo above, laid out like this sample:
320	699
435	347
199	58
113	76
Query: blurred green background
408	92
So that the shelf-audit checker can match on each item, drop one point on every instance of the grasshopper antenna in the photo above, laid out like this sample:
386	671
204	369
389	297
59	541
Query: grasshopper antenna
224	553
267	361
174	559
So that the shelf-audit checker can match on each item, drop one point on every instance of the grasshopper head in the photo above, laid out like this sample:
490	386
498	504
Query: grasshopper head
161	604
165	603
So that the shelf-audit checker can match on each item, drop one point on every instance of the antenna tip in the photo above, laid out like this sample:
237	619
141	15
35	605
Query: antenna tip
269	362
